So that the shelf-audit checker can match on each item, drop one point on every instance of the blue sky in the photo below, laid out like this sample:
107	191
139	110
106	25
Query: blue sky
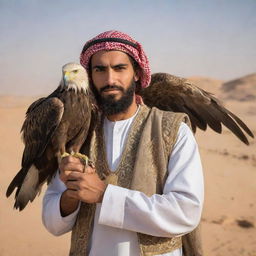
212	38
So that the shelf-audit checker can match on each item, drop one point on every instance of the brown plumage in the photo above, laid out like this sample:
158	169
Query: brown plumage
54	125
168	92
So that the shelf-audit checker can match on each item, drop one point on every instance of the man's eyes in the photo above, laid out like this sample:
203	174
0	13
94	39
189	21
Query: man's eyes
120	68
99	69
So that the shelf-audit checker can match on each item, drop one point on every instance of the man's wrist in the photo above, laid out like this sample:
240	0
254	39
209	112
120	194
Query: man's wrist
67	204
103	193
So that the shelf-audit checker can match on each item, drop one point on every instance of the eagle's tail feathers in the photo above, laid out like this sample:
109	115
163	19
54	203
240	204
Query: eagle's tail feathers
26	182
18	179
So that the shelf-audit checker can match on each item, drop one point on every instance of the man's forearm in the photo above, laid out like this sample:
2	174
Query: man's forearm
67	204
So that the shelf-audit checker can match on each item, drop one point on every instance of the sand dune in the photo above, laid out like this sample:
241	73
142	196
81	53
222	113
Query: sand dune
242	89
228	222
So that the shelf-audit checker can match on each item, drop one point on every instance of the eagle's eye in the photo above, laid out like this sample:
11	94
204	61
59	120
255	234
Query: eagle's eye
75	71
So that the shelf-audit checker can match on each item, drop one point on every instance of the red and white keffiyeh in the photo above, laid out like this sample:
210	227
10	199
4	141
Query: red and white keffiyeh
115	40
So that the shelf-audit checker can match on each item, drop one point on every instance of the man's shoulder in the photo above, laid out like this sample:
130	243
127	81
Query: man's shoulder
171	115
166	112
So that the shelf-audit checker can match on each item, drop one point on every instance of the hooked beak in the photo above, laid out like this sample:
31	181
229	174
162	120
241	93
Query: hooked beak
66	76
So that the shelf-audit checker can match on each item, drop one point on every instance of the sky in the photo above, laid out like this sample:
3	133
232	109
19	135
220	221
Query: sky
208	38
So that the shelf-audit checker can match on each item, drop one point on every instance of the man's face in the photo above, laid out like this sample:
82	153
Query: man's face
114	79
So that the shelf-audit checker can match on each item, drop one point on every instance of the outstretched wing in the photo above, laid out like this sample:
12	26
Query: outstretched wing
168	92
42	119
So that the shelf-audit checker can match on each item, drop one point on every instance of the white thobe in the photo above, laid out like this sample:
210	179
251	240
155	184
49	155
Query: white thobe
124	212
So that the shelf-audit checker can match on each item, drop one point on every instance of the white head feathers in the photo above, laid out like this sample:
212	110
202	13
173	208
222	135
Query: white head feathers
74	77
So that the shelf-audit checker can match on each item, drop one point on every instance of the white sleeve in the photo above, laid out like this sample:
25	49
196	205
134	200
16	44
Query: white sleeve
51	216
177	211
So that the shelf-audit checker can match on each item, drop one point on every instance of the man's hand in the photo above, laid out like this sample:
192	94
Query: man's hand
68	165
83	184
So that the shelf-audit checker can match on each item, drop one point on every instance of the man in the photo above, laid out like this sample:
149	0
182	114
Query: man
153	188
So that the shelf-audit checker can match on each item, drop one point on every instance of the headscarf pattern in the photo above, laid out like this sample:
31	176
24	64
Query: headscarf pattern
137	52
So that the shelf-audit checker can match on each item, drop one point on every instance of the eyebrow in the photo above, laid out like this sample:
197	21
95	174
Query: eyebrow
119	65
115	66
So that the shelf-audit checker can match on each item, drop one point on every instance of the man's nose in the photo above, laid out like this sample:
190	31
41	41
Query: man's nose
110	77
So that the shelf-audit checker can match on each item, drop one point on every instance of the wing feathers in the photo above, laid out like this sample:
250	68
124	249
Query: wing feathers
168	92
39	126
195	117
231	124
241	123
208	116
42	119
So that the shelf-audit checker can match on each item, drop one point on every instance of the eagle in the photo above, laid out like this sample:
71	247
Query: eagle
55	126
58	125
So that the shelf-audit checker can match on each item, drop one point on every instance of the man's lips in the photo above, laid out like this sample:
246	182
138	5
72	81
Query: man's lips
110	89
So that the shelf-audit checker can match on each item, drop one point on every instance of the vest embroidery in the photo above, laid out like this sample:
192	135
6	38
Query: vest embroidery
143	167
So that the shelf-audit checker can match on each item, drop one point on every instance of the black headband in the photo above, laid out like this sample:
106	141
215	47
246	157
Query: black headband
110	39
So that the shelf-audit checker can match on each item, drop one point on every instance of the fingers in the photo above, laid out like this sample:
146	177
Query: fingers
80	181
85	187
78	176
68	165
72	185
89	170
75	175
71	163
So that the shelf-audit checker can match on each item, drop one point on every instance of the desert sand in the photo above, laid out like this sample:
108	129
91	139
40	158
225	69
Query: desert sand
229	216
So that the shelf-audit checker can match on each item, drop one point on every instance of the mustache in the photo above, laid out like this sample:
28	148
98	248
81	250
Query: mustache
116	87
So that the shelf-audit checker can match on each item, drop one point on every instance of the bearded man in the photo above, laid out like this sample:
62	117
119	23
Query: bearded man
146	190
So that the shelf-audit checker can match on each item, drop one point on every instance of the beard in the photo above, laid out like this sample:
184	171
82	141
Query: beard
109	105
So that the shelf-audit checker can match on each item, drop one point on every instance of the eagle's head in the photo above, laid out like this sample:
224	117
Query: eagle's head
74	77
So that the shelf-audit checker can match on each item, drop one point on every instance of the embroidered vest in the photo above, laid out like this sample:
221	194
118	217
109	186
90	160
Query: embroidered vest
150	140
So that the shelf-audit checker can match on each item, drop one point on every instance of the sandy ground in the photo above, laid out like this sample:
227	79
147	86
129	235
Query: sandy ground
229	219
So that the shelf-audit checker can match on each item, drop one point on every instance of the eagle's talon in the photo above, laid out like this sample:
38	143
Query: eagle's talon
65	154
84	159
